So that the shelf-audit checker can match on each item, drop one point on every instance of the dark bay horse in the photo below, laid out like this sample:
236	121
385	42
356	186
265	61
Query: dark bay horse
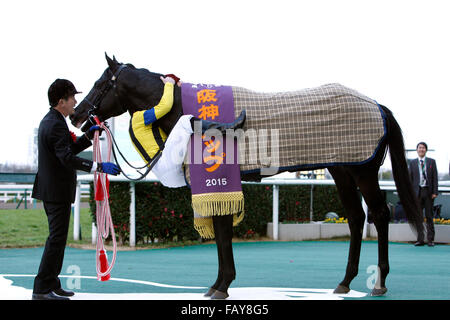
122	88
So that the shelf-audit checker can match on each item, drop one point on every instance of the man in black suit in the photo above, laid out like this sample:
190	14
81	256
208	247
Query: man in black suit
55	183
424	177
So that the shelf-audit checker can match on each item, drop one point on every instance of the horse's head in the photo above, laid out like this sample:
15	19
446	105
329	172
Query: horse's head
102	98
120	88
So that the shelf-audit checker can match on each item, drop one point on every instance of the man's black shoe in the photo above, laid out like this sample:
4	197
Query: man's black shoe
419	243
430	243
47	296
63	293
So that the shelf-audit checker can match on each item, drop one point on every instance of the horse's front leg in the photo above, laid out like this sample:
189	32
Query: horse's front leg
223	229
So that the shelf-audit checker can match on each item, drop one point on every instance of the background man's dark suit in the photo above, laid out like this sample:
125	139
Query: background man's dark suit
55	185
424	194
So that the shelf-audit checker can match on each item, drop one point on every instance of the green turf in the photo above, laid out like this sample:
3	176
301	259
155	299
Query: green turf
27	228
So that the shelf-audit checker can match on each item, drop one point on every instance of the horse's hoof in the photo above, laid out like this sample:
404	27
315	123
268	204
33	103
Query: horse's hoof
219	295
341	289
210	292
378	292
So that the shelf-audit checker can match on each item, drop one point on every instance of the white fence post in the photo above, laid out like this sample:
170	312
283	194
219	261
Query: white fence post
276	190
133	214
76	213
94	233
311	204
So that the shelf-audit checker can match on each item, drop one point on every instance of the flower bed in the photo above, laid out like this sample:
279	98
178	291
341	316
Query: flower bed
442	221
334	220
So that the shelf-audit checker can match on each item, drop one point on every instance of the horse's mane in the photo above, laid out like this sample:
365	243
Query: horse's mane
150	83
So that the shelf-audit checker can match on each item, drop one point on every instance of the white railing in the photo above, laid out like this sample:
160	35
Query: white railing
444	186
22	192
16	192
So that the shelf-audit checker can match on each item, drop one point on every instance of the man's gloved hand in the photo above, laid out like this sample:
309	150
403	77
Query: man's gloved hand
90	133
108	167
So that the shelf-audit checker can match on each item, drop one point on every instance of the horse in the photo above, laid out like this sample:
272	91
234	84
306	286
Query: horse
125	88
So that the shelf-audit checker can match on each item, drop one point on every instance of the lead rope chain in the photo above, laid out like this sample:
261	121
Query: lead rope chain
105	224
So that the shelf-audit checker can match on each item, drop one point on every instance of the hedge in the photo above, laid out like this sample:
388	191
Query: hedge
165	214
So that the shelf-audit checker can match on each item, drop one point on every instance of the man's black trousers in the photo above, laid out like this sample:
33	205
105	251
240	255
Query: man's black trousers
58	214
427	203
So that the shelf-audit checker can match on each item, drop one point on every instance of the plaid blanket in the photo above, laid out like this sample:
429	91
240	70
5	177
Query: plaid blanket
324	126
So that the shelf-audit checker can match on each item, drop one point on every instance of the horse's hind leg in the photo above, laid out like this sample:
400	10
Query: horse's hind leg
219	241
370	189
223	229
349	196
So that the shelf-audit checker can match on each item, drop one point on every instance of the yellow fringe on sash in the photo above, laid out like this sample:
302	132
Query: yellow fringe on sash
214	204
204	226
207	205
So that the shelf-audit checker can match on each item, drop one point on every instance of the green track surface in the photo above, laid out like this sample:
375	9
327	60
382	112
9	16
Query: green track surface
415	272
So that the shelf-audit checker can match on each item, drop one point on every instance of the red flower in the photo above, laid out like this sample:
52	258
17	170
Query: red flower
73	136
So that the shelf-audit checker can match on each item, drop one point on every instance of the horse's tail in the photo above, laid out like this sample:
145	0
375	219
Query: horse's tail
400	171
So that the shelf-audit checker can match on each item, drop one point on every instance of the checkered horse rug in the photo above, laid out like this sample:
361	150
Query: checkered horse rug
315	127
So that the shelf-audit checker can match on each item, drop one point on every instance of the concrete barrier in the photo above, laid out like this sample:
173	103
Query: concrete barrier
400	232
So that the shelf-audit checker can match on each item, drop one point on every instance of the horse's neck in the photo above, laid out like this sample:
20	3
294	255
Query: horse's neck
149	101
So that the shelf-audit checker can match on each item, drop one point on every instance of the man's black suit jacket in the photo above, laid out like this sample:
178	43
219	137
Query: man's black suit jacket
57	161
431	172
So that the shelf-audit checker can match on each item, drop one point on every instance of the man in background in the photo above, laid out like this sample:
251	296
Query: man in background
424	177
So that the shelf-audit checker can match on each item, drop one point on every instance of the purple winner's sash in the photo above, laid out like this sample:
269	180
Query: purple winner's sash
213	159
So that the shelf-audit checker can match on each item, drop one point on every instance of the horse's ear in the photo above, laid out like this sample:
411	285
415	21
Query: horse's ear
111	63
114	59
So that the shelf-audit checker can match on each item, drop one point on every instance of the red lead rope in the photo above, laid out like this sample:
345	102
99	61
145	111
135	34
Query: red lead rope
105	224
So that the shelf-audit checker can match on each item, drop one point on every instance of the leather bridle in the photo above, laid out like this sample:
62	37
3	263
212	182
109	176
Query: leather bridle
111	84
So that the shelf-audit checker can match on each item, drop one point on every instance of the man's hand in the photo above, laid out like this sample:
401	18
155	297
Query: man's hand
433	196
108	167
90	133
